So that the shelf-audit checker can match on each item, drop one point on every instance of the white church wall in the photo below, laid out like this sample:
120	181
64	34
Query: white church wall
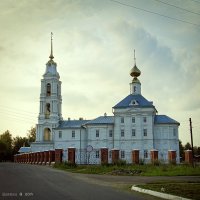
166	138
71	138
133	123
79	142
99	136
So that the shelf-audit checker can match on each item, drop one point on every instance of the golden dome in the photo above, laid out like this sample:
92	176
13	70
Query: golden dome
135	72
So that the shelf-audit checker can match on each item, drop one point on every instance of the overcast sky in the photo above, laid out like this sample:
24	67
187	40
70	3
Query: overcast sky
93	46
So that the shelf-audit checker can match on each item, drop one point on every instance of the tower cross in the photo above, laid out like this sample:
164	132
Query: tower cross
134	58
51	55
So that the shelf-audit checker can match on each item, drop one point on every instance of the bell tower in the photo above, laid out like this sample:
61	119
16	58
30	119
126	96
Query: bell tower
50	101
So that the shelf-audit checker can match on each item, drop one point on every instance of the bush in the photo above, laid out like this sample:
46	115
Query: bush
164	168
69	164
141	162
106	164
172	162
120	162
156	162
65	165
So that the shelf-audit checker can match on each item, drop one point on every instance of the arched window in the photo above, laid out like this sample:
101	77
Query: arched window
47	134
48	89
48	111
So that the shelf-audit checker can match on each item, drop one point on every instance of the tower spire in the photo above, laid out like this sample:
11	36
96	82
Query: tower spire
51	65
51	54
134	58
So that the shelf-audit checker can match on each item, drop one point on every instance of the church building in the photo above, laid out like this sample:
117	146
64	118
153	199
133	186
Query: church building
134	127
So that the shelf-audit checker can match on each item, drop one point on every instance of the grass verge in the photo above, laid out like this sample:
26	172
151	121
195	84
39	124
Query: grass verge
184	189
142	170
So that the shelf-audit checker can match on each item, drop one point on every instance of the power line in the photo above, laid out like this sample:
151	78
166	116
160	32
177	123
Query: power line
4	111
177	7
12	112
15	109
14	117
17	116
155	13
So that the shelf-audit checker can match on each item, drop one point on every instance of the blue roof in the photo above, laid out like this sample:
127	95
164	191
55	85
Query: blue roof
134	100
24	149
163	119
71	124
102	120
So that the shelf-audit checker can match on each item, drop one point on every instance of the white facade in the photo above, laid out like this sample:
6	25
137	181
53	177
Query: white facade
135	125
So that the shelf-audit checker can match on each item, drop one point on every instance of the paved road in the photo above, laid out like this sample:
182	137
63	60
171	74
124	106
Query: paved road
41	182
21	181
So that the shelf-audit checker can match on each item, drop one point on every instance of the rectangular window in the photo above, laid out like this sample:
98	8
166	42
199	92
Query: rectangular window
144	119
97	133
122	154
133	120
97	154
122	133
110	133
134	88
122	120
174	132
60	134
145	153
145	132
73	134
133	132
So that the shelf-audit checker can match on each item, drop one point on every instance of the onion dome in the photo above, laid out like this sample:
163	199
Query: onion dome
135	72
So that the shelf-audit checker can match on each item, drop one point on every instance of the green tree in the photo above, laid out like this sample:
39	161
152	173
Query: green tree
196	150
181	148
31	135
10	146
6	145
6	138
3	151
19	142
187	146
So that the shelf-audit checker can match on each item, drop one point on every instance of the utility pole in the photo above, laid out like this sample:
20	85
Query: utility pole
191	141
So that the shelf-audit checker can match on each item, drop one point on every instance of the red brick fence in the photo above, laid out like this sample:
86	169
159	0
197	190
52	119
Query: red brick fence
56	156
43	157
